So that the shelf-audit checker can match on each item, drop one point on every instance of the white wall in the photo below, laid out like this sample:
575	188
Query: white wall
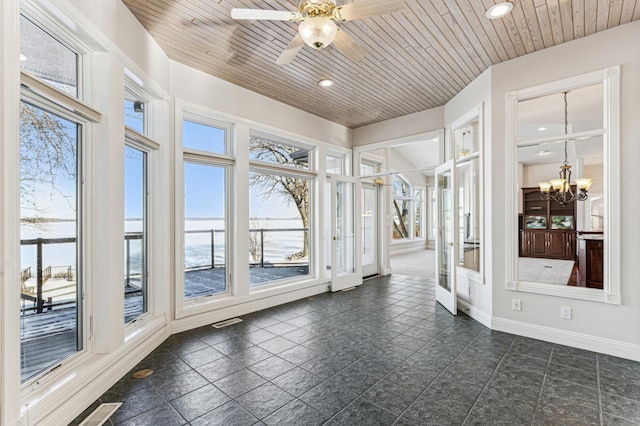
408	125
595	325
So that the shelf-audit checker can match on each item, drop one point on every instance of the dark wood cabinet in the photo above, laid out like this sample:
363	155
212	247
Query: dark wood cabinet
590	261
547	227
556	244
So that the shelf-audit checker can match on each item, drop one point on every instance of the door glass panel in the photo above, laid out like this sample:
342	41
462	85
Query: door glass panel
345	235
445	201
469	214
50	287
369	205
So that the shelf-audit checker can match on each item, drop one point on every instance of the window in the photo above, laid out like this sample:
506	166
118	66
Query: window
279	210
51	141
51	286
135	236
406	209
206	221
573	124
47	58
134	112
203	137
334	164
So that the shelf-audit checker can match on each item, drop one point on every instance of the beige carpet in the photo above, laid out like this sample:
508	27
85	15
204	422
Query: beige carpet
418	263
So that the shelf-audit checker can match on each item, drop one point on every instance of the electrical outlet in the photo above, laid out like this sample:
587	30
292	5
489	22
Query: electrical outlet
516	304
565	312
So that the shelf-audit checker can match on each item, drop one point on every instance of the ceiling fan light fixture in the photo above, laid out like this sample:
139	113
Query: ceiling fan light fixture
499	10
318	32
325	82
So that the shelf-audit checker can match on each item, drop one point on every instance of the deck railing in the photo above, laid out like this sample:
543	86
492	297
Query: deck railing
45	273
258	249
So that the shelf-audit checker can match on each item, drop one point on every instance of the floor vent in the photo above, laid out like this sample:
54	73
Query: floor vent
101	414
227	322
348	289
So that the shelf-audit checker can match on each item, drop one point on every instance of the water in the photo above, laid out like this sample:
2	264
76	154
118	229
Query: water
278	246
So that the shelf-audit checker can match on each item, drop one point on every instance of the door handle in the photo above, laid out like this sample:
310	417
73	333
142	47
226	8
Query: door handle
335	238
451	244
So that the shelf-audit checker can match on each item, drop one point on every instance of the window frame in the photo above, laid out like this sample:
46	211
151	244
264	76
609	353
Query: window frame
185	307
310	173
610	79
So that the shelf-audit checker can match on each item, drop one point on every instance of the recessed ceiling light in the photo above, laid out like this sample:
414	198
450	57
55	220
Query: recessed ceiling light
325	83
499	10
541	129
23	57
543	152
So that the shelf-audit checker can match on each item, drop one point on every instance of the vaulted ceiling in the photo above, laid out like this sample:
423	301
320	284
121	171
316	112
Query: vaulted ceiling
417	59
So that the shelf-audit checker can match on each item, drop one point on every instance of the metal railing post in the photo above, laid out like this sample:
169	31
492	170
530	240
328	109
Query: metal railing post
128	254
213	249
39	279
262	247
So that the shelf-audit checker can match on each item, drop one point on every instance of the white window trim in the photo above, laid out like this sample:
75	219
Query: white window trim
610	79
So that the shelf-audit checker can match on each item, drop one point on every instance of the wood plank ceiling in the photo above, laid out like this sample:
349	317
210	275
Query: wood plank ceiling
417	59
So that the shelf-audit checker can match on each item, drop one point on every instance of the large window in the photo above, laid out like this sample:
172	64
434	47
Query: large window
406	209
50	207
206	176
135	233
279	211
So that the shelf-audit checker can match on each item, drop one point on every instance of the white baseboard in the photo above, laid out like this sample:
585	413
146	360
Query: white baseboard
475	313
568	338
88	384
408	250
194	321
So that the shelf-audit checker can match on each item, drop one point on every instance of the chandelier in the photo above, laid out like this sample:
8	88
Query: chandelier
559	190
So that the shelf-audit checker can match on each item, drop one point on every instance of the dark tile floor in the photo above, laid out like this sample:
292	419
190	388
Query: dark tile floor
382	354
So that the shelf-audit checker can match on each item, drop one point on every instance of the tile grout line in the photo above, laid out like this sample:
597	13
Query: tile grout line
488	381
544	380
599	390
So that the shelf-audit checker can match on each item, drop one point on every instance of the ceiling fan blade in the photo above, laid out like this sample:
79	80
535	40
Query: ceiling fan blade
291	51
366	8
259	14
345	44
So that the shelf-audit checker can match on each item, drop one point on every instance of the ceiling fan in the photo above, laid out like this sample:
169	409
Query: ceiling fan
317	27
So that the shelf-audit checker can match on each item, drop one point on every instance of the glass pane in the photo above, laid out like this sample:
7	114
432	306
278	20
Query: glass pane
49	246
205	230
400	187
418	219
135	247
46	58
445	213
369	209
203	138
466	140
400	210
367	169
134	113
279	227
469	214
334	165
275	152
345	228
545	116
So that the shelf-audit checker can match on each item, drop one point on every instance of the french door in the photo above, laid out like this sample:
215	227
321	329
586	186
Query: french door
369	227
446	293
346	268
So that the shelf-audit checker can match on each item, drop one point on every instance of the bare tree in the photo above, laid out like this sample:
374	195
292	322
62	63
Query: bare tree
255	242
400	226
47	153
292	188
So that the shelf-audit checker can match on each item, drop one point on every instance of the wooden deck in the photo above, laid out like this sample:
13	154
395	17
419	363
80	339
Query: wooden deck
49	337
